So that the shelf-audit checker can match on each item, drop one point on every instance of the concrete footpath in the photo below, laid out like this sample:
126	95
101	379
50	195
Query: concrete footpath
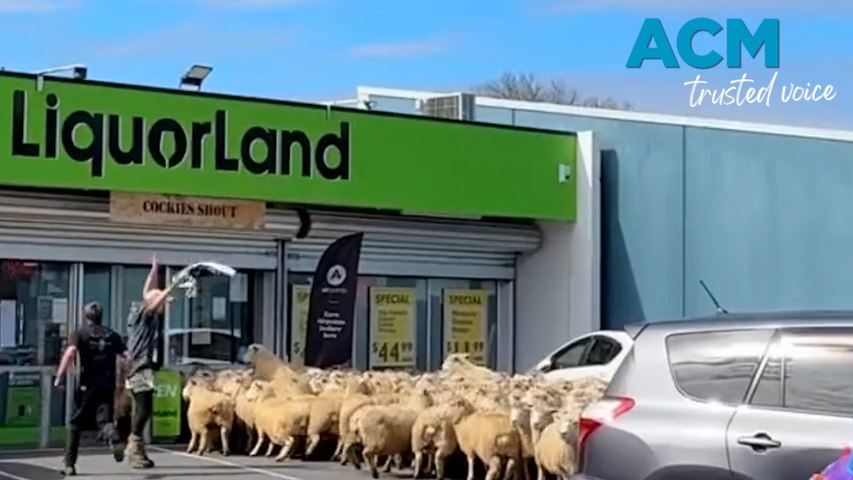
174	464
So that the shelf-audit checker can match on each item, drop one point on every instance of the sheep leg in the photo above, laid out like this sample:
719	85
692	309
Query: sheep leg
270	449
470	466
352	457
512	466
258	445
416	464
224	432
285	450
429	466
313	441
203	443
388	461
439	465
193	440
338	449
494	470
250	438
348	455
540	472
372	460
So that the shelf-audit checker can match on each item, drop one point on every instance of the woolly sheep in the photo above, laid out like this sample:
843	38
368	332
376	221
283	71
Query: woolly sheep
555	446
433	435
491	438
280	422
207	408
387	430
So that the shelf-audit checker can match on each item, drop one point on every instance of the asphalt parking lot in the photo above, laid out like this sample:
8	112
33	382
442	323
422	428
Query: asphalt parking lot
174	464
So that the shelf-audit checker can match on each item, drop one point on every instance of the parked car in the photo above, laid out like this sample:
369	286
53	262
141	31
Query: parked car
204	346
594	354
737	396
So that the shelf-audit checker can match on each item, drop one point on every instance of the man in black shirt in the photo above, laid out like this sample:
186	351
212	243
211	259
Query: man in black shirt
100	349
145	349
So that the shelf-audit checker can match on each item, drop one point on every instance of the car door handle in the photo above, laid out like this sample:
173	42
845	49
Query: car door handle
759	441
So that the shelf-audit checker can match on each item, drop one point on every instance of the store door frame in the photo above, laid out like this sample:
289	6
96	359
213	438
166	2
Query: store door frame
47	372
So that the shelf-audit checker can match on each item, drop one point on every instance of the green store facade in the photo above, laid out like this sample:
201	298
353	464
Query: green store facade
97	177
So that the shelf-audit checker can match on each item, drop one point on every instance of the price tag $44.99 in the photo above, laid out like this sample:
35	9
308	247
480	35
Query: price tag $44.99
393	352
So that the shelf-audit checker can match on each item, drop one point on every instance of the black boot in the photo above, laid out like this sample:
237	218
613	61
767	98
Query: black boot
110	436
71	448
136	453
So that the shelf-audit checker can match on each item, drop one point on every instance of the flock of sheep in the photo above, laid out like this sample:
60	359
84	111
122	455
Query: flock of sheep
505	422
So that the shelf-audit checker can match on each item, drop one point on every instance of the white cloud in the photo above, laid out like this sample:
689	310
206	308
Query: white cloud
251	3
414	48
813	7
197	39
36	6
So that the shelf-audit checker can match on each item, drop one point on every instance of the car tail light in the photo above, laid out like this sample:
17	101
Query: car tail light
598	414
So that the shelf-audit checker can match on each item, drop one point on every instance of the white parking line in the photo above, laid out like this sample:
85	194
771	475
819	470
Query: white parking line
13	477
220	462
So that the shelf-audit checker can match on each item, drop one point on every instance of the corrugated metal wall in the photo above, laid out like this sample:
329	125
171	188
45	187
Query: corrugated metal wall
765	220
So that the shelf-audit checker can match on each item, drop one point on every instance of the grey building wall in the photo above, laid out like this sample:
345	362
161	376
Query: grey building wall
766	220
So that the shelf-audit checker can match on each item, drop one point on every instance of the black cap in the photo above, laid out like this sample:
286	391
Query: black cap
94	312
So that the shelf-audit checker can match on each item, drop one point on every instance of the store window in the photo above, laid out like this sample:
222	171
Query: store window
116	287
390	321
33	312
34	318
394	309
406	322
218	323
464	315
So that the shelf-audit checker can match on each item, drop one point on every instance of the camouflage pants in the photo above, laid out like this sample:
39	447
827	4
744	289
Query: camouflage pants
141	381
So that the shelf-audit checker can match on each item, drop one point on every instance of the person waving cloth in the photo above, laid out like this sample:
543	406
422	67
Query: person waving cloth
145	348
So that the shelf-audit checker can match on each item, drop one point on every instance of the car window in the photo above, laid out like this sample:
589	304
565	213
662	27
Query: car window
716	365
816	370
603	351
573	355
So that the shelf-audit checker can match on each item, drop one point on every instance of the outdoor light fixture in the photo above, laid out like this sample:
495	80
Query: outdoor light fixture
78	72
195	76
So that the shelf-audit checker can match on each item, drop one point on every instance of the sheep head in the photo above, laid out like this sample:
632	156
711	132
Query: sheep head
263	362
192	384
519	415
569	429
459	408
455	361
541	417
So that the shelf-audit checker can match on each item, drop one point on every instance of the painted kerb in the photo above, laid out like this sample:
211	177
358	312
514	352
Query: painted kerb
113	137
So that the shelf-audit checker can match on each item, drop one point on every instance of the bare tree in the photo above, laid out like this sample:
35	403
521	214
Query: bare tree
526	87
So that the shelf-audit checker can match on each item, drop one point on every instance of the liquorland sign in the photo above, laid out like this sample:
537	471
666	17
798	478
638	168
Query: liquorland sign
112	137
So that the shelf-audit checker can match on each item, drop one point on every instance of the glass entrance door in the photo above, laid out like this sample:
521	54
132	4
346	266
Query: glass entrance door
36	312
216	325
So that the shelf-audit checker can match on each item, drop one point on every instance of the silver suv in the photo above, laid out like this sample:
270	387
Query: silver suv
736	396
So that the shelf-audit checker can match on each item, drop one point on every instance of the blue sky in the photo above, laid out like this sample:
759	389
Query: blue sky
323	49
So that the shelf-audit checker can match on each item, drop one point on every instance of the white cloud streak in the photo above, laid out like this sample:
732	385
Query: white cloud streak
196	38
415	48
36	6
251	4
815	7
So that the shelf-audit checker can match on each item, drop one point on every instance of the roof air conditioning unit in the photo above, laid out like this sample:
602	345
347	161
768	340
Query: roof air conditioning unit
457	106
